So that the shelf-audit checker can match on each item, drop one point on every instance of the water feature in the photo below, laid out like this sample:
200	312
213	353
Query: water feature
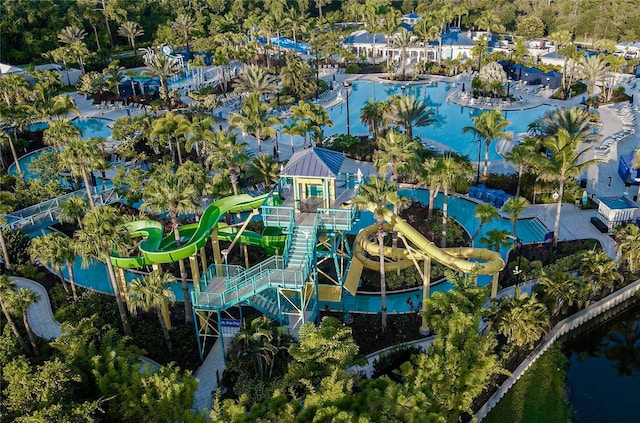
450	117
604	371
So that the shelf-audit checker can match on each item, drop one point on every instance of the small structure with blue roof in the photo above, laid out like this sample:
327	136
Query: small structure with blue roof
616	211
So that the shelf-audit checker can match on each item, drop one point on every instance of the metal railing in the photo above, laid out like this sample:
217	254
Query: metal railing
219	271
50	209
280	216
335	219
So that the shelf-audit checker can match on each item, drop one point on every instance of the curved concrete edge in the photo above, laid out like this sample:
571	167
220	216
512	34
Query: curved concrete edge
44	324
39	314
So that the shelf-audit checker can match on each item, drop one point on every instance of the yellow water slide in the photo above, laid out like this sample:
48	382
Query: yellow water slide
477	261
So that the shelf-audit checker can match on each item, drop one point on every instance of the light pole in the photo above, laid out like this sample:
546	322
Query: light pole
225	253
518	270
478	166
508	88
346	94
317	76
403	88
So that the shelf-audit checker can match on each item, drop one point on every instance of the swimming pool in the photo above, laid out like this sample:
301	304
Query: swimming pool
89	127
451	118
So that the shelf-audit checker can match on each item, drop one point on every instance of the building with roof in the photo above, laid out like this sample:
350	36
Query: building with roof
410	18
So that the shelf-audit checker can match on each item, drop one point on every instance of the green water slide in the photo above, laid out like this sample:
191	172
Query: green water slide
271	242
158	249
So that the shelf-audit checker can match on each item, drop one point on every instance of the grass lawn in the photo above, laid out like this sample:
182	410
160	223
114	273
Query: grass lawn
538	395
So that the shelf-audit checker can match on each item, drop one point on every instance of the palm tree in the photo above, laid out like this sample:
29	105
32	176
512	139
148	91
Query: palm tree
225	152
576	121
521	318
558	290
131	30
102	234
450	173
429	177
375	196
44	249
195	132
4	209
373	114
427	29
167	192
291	128
319	4
161	66
7	287
396	153
167	130
297	77
408	112
265	167
257	80
73	36
592	68
515	206
485	213
495	239
600	271
184	24
628	245
60	132
303	114
255	119
81	156
489	125
402	40
522	156
5	138
72	210
151	293
565	162
22	299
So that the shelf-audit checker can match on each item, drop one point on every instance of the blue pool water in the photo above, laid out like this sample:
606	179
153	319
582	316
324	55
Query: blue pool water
450	117
89	127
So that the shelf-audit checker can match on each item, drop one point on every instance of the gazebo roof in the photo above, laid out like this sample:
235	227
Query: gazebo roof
314	163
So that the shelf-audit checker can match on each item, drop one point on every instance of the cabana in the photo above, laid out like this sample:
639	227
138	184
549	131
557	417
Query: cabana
615	211
531	76
552	79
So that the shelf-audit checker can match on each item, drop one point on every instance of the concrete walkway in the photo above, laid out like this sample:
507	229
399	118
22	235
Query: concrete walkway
39	314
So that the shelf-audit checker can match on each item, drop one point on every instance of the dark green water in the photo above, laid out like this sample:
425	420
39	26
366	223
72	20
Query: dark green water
604	372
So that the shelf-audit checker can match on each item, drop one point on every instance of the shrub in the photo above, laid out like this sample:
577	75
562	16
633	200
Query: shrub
352	68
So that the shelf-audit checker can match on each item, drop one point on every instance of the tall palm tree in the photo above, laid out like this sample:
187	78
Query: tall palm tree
72	210
151	293
396	153
81	157
102	234
375	196
490	126
169	130
592	68
485	213
73	35
523	157
167	192
131	30
402	40
428	176
4	209
226	152
22	300
7	287
450	173
265	167
195	132
409	112
558	290
565	162
5	139
255	79
161	66
291	128
184	24
374	114
515	206
255	119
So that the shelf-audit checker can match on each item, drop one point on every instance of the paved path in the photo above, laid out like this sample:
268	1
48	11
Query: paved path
39	313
